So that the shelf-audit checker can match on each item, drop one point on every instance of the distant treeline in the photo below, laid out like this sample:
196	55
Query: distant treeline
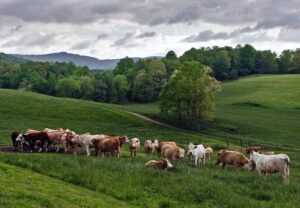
141	80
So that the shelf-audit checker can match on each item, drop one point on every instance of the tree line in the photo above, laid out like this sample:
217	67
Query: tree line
143	80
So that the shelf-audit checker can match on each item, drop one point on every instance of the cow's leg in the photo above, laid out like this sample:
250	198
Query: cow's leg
87	150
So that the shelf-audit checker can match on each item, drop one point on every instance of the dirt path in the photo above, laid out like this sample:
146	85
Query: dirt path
145	118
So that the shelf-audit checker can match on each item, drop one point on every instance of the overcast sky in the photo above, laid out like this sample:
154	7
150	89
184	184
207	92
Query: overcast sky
140	28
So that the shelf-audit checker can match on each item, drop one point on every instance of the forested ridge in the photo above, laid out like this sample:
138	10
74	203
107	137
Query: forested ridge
141	80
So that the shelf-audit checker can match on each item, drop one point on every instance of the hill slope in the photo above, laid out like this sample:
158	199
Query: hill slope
263	109
125	180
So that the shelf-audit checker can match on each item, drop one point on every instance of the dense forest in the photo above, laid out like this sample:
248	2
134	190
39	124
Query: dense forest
142	80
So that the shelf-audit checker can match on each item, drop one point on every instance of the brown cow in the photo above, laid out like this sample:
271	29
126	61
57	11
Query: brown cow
134	145
162	164
254	148
149	147
55	138
228	157
107	145
172	152
159	144
32	138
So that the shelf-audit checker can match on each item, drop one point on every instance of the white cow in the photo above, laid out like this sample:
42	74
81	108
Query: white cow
197	153
265	164
87	140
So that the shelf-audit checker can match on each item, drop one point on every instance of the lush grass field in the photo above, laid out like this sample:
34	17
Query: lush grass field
265	109
60	180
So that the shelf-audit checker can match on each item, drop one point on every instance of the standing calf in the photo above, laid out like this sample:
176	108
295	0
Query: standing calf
134	146
208	152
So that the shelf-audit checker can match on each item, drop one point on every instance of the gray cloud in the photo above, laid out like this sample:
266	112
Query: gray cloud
125	40
16	29
31	40
146	35
82	45
207	35
271	13
289	35
102	36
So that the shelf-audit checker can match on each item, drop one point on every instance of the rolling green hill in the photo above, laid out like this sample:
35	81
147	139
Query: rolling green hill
264	109
126	182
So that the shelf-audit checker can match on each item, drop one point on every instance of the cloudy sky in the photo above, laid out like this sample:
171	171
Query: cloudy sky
140	28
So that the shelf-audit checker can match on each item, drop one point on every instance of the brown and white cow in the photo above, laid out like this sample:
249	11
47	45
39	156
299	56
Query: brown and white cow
134	145
55	137
159	145
172	152
238	159
67	141
149	147
32	139
162	164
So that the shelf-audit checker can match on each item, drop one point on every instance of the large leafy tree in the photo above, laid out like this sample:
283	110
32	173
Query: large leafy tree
120	86
189	95
68	87
143	87
123	66
221	65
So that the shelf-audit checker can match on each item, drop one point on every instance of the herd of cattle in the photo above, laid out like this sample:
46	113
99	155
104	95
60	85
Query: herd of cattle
111	145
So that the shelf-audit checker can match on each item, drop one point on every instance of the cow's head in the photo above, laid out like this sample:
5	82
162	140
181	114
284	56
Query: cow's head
75	138
20	138
191	151
155	143
126	139
250	165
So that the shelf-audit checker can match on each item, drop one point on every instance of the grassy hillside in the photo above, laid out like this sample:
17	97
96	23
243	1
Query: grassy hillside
123	182
265	109
23	188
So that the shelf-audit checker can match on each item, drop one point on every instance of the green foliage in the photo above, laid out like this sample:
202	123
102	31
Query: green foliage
143	87
189	94
221	65
68	87
120	86
171	55
123	66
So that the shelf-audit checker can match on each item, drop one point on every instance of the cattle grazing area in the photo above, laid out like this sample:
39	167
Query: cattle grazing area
50	179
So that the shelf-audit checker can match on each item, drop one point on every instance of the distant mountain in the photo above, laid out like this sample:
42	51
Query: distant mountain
5	58
79	60
91	62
